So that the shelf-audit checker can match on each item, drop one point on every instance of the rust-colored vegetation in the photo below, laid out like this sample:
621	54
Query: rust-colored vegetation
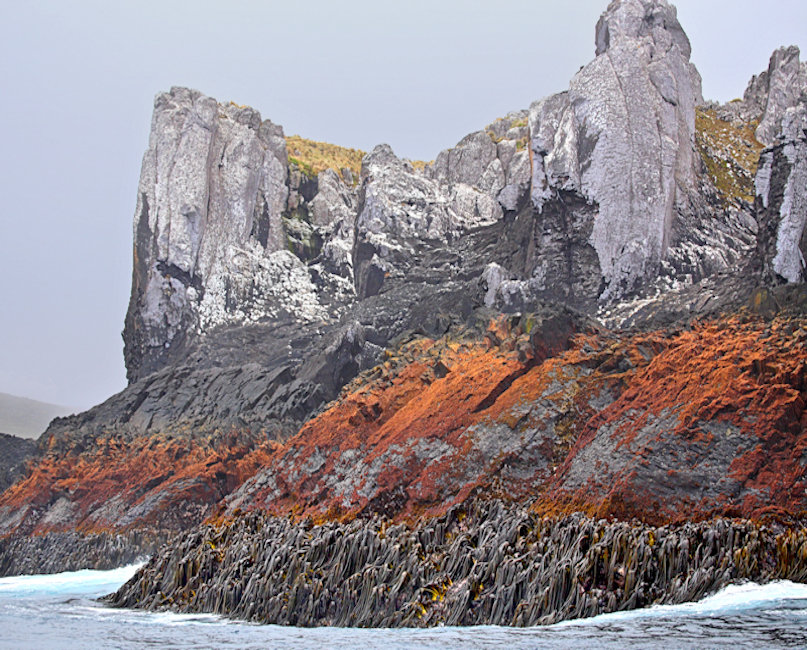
612	425
404	438
165	481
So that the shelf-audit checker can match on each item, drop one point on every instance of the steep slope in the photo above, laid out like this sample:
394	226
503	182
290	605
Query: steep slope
664	425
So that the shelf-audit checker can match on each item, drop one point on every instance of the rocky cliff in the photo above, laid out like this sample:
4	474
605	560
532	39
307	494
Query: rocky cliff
591	305
781	200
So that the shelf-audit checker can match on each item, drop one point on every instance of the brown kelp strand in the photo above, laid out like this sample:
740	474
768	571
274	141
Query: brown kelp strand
69	551
483	563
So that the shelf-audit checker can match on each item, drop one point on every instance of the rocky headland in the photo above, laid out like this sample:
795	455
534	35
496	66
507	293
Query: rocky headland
557	371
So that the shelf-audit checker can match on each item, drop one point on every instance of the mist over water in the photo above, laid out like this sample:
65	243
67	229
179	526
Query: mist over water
60	611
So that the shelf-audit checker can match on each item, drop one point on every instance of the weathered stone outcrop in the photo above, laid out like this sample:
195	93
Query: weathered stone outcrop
494	161
209	246
226	232
14	452
772	92
620	141
409	218
781	188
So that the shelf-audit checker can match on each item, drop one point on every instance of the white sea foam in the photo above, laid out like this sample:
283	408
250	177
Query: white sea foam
733	599
86	581
59	611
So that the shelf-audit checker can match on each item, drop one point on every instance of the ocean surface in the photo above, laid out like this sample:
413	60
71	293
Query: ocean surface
60	611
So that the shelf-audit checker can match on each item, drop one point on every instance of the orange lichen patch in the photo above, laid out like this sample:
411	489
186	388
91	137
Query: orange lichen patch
749	376
422	430
663	426
726	371
167	481
391	414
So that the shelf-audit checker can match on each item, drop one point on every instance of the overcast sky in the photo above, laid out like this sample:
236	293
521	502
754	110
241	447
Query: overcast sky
78	80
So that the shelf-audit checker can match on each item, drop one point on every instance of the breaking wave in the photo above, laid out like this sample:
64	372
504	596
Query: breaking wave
60	611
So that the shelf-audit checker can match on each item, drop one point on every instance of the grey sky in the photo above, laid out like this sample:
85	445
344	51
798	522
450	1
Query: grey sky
78	79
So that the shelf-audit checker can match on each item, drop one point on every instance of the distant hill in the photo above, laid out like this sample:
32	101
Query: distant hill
25	417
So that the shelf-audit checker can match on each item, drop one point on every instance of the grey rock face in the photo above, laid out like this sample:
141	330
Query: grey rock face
14	451
782	200
404	212
468	161
636	19
621	139
772	92
494	161
334	209
208	237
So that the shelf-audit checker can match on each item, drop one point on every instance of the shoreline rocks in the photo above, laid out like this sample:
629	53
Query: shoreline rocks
482	563
70	551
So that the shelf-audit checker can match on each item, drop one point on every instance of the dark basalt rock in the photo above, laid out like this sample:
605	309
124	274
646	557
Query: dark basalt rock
14	452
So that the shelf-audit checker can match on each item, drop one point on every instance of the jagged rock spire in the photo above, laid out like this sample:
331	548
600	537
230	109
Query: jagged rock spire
622	138
772	92
782	201
632	19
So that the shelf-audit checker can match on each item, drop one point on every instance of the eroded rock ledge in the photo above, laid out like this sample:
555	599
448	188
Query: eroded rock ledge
481	563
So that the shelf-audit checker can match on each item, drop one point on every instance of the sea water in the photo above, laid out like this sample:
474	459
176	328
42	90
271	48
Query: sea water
61	611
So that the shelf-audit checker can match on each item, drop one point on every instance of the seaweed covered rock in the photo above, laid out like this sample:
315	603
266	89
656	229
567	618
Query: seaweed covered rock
73	550
482	563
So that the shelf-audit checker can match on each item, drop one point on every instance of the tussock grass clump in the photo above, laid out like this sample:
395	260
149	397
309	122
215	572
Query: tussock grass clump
420	164
314	157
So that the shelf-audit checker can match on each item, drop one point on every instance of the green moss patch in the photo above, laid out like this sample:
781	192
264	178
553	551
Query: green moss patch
730	153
